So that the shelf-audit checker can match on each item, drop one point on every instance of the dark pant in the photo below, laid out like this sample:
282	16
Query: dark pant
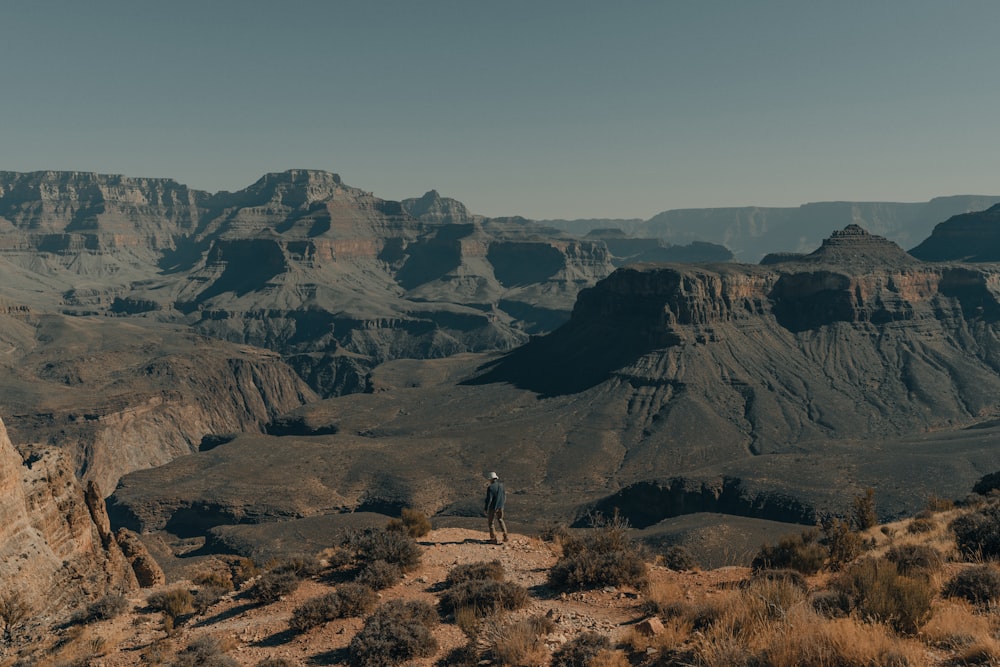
496	515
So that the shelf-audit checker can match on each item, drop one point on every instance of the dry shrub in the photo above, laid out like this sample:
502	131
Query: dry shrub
915	558
301	565
839	643
877	592
412	522
242	570
863	514
801	551
206	651
347	601
275	662
843	543
609	658
273	585
581	650
954	625
662	598
604	556
391	546
14	612
473	571
485	596
105	608
173	603
466	655
985	653
517	644
213	579
379	575
678	558
936	503
921	525
977	534
979	584
398	631
206	596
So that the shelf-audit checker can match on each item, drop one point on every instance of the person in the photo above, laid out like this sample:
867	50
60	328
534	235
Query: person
496	498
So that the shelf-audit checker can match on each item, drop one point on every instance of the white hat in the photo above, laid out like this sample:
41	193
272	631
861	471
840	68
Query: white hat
492	475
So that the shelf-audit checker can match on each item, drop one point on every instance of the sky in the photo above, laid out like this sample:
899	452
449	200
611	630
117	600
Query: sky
545	109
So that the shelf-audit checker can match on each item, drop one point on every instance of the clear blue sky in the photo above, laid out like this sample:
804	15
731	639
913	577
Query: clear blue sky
567	108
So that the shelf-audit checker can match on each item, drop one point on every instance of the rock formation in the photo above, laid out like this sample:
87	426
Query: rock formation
332	277
969	237
56	550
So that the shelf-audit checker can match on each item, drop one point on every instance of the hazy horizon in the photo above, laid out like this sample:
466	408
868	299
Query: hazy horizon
546	110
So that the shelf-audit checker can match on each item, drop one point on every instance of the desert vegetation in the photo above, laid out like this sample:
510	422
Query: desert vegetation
832	596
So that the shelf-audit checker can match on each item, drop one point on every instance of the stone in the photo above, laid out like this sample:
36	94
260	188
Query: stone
649	627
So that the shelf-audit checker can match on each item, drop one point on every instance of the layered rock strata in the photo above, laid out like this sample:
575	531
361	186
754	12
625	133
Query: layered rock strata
56	548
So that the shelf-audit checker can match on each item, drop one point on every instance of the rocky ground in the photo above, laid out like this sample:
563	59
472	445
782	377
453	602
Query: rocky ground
251	632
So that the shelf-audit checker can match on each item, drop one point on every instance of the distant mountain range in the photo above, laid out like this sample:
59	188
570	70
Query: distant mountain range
751	232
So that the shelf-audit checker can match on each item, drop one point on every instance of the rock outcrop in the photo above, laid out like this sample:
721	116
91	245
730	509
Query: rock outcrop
970	237
56	550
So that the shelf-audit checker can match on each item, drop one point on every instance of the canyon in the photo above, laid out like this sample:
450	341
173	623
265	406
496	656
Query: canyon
252	372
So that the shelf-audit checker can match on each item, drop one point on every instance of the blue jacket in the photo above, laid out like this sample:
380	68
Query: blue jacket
495	495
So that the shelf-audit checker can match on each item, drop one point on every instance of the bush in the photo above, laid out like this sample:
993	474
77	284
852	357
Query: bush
466	655
206	596
987	483
301	565
213	579
604	556
518	643
275	662
206	651
791	577
979	584
391	546
173	603
412	522
831	604
398	631
921	525
581	650
843	543
105	608
347	601
802	552
242	570
876	590
915	558
272	585
379	575
977	533
863	514
678	558
475	571
485	596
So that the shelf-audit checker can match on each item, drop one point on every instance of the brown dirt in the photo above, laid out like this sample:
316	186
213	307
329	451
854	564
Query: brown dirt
253	632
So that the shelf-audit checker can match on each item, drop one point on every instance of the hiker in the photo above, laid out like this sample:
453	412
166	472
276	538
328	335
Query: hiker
495	499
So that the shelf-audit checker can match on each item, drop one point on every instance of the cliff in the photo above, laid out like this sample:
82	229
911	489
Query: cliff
56	549
117	397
